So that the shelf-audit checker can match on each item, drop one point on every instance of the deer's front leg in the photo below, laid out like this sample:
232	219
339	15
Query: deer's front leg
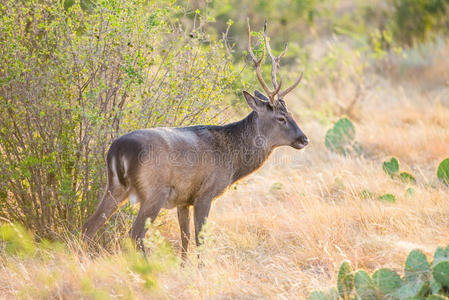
184	225
201	212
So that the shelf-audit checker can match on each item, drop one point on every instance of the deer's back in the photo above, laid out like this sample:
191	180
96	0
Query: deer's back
190	161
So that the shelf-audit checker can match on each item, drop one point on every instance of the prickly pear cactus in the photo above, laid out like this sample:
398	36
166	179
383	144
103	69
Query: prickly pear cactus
410	192
386	280
412	290
441	273
364	286
416	266
407	177
340	138
318	295
443	171
421	280
388	198
345	280
441	254
391	167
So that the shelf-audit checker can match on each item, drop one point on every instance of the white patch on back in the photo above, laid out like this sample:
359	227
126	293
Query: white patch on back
171	136
190	137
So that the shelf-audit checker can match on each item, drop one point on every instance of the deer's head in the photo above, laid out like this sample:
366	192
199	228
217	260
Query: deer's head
273	118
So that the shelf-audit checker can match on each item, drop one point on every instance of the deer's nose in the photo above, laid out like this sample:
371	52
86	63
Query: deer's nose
304	140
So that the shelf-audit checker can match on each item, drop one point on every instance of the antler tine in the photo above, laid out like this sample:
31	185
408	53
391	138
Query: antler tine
274	65
278	88
285	92
257	64
274	60
250	50
283	51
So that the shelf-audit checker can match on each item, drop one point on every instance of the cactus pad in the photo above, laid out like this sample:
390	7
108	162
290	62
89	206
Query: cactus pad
340	138
345	280
416	266
441	273
407	177
391	167
443	171
364	286
388	198
318	295
386	280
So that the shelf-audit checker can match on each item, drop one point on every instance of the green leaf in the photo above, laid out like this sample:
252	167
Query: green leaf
386	280
443	171
391	167
388	198
345	280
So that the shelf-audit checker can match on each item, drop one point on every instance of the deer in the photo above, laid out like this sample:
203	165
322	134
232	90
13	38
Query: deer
191	166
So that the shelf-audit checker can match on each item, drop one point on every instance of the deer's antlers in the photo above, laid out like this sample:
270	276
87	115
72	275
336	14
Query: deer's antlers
275	63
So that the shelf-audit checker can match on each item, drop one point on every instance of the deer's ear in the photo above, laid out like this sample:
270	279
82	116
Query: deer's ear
261	96
255	103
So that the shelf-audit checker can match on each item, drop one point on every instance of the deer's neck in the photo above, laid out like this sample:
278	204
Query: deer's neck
249	147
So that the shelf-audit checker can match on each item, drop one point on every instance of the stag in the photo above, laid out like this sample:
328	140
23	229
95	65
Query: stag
191	166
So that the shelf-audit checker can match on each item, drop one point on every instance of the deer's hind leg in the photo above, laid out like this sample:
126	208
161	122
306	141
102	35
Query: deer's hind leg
113	197
151	202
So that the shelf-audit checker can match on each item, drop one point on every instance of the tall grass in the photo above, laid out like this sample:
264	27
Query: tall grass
284	230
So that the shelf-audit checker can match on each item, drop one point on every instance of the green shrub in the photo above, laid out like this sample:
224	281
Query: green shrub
73	78
421	280
17	240
414	21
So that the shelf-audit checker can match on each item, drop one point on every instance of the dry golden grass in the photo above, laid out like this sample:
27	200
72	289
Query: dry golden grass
284	230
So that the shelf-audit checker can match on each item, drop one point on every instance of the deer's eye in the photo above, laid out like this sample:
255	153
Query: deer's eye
281	120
